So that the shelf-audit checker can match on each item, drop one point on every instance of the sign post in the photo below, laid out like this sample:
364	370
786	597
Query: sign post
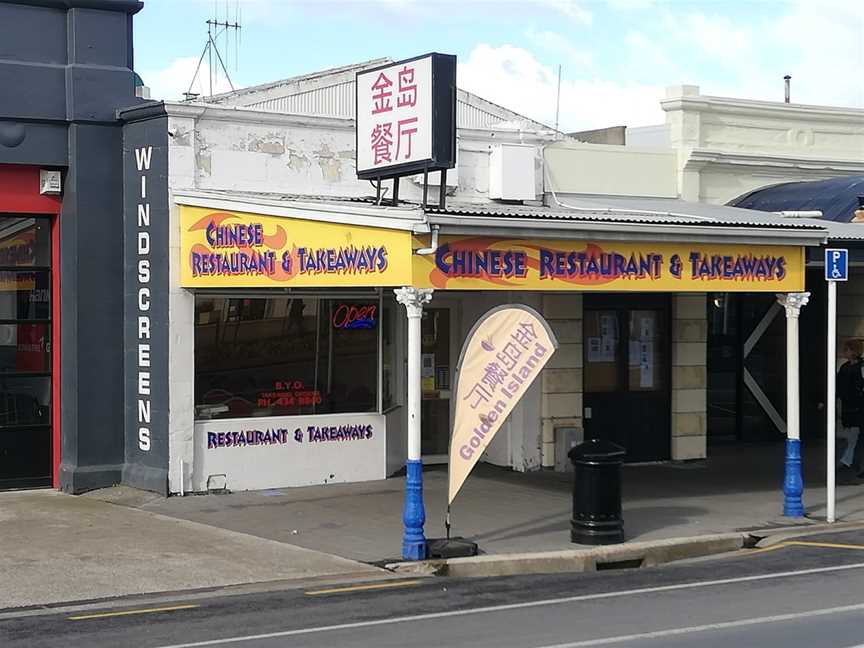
836	269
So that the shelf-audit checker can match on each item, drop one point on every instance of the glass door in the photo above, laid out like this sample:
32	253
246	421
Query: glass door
25	352
436	378
626	370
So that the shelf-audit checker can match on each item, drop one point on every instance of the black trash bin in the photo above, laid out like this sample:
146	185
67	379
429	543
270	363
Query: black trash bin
597	493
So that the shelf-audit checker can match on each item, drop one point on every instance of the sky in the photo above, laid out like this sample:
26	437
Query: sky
617	56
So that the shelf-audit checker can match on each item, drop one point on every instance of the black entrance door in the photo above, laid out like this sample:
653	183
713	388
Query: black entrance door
627	373
25	352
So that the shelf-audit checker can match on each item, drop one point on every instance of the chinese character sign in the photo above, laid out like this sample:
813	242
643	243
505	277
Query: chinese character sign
504	353
394	115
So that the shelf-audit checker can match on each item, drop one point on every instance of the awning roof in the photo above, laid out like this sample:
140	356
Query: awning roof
836	198
614	217
598	217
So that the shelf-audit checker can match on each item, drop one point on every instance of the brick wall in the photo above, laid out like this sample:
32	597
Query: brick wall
689	376
562	377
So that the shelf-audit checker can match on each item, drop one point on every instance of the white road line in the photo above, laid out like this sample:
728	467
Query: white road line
659	634
519	606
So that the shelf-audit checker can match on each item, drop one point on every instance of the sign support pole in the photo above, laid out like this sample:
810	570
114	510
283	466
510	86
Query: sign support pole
831	402
793	484
836	269
414	513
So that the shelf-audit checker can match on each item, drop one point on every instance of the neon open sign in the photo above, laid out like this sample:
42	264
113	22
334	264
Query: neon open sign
354	316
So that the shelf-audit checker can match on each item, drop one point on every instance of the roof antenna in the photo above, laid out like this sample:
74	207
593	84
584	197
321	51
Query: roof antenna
787	79
558	101
215	29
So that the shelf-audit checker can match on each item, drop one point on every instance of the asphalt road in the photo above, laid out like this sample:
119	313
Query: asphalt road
809	593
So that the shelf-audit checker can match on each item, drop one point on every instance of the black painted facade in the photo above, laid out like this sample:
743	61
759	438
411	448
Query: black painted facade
65	70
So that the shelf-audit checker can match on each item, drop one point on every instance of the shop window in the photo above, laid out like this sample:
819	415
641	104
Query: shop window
285	356
389	355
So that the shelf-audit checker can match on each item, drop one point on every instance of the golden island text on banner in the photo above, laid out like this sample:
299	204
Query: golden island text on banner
221	249
486	263
502	355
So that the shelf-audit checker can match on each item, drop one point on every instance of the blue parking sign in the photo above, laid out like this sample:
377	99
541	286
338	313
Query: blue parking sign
836	265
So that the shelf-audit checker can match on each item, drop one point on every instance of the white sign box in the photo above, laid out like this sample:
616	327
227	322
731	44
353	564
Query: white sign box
277	452
406	117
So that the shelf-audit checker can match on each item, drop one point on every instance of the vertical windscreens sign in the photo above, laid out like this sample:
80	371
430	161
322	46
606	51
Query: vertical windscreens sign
502	356
145	178
406	117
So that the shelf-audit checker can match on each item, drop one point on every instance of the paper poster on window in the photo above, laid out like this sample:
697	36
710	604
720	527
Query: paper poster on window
608	327
427	372
647	328
601	350
607	349
646	365
633	359
593	349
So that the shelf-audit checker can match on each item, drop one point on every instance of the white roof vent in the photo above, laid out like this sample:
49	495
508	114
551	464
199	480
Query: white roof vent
512	172
800	214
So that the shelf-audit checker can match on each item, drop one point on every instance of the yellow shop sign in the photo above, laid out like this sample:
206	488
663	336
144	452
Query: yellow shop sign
234	249
486	263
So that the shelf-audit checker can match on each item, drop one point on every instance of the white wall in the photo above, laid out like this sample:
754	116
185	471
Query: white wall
611	169
302	451
245	150
181	315
727	147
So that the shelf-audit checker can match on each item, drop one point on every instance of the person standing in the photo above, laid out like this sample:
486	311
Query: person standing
850	391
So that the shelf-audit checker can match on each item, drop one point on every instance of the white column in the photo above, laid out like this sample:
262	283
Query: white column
792	303
793	485
414	299
414	512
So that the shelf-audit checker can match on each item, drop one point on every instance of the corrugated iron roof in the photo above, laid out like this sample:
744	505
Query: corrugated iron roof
613	216
665	211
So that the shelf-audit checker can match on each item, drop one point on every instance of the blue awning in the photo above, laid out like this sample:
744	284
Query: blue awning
836	198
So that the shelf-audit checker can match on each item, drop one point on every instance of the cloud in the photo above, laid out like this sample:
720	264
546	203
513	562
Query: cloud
514	78
571	9
716	36
631	5
247	12
561	46
821	45
171	82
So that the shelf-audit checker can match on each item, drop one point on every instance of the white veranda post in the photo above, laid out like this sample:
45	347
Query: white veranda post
793	485
414	513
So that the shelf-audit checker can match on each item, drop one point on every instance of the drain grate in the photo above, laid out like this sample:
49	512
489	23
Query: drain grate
634	563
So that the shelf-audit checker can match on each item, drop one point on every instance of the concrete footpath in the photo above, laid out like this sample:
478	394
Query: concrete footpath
59	548
56	548
737	490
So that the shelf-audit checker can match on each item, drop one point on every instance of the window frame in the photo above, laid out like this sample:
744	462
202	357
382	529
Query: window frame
376	295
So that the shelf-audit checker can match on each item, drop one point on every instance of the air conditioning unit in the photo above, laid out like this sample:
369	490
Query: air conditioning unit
512	174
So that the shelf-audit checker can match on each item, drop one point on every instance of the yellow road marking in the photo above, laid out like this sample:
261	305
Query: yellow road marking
827	545
361	588
805	543
105	615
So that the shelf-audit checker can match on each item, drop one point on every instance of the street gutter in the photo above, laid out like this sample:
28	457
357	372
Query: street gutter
628	555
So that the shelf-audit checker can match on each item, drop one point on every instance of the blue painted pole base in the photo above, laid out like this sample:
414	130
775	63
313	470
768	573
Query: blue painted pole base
414	514
793	484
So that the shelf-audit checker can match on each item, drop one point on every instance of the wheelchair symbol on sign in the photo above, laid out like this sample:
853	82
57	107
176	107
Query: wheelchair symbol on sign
836	265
